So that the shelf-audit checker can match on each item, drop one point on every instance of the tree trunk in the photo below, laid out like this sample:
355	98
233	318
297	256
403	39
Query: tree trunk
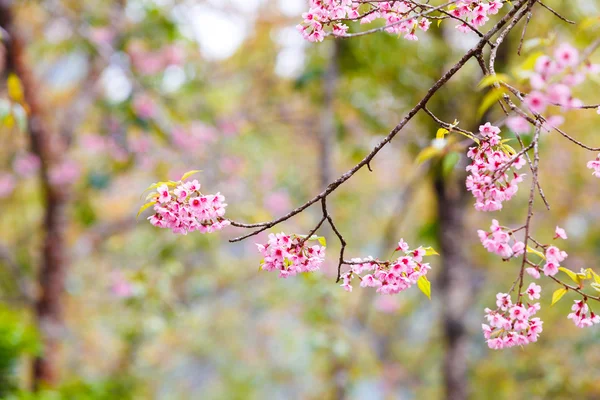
48	146
454	284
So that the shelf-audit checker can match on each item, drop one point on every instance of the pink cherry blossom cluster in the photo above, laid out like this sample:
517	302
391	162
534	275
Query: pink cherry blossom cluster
582	316
475	12
512	324
552	83
498	241
595	165
554	256
185	209
490	181
290	255
401	17
389	277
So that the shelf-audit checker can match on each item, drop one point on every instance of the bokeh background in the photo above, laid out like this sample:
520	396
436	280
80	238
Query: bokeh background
138	91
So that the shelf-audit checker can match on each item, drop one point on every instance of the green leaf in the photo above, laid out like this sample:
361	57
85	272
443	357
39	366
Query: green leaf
152	195
322	241
537	253
15	88
558	294
425	286
530	61
508	150
430	251
449	162
489	100
441	133
490	80
145	207
427	154
189	173
596	276
571	274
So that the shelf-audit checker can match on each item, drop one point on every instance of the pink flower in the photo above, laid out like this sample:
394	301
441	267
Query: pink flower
533	291
560	233
550	268
566	55
595	165
554	254
533	272
292	254
518	124
536	102
511	325
390	277
163	194
185	209
580	316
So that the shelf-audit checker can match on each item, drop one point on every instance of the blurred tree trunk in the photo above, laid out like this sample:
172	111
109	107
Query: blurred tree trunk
48	146
454	282
327	132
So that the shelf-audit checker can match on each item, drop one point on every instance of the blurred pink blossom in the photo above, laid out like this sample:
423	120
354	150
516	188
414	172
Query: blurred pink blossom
144	107
63	173
120	286
26	165
278	202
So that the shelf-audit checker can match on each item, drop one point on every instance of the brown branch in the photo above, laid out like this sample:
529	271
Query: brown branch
515	12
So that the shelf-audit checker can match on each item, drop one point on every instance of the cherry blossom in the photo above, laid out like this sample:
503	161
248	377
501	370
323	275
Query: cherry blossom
533	291
512	324
491	181
552	81
291	254
595	165
400	17
498	241
582	316
560	233
389	277
182	208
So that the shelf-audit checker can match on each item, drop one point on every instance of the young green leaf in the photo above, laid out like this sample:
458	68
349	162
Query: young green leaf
427	154
574	277
425	286
537	253
430	251
145	207
189	173
558	294
441	133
